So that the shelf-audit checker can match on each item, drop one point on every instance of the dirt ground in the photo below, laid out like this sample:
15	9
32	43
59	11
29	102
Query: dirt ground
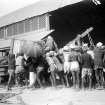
56	96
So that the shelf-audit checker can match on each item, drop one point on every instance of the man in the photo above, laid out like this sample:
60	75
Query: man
91	51
87	65
50	44
19	72
98	63
52	67
11	70
75	67
66	54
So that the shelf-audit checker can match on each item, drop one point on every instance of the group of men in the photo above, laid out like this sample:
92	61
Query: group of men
74	66
77	66
86	66
82	66
25	69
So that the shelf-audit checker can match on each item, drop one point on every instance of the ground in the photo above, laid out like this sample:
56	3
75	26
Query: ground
55	96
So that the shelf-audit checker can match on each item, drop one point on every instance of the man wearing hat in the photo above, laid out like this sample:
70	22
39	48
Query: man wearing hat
51	45
66	54
98	62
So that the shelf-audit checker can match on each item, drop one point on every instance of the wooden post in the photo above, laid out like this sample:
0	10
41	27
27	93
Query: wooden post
12	45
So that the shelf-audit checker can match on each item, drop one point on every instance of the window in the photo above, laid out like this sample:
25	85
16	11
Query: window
42	21
34	23
10	30
27	25
15	29
20	27
2	33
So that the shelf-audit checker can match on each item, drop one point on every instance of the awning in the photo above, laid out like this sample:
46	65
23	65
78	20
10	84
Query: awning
34	36
5	44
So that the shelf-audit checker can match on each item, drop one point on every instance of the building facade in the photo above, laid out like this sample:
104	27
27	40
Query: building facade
63	19
31	22
37	23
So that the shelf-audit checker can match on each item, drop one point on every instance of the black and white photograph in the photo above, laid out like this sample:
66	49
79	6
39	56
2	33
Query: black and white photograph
52	52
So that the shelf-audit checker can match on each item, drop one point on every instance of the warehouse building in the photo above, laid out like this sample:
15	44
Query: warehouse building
63	19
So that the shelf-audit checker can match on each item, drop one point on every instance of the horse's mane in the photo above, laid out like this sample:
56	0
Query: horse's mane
41	43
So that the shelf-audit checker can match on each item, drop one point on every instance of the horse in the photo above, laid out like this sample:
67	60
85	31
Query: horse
35	51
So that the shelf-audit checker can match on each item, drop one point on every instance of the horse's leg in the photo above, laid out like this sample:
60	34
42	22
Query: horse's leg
40	69
78	79
61	75
52	69
26	74
32	79
26	78
53	79
90	82
66	78
74	78
11	78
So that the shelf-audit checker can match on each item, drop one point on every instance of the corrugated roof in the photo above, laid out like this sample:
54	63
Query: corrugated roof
36	9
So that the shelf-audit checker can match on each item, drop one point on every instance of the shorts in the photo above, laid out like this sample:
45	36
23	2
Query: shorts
98	67
74	66
86	71
19	69
66	67
10	71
